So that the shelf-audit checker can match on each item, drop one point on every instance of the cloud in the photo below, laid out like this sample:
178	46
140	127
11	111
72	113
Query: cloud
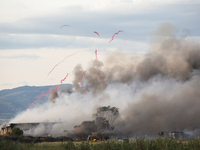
21	57
22	41
7	84
22	83
136	19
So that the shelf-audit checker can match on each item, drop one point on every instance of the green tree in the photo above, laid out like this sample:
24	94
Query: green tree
17	131
107	112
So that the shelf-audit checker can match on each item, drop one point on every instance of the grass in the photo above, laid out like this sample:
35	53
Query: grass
139	144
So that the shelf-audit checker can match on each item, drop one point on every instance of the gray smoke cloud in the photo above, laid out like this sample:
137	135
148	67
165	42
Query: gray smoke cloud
171	75
169	56
90	79
53	96
165	105
154	92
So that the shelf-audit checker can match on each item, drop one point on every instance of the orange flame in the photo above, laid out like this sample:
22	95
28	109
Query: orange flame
94	140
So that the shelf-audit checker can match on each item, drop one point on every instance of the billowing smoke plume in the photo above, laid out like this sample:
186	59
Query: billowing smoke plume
53	96
170	78
155	92
169	56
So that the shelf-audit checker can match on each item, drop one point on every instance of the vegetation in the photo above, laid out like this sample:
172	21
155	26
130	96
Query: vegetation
17	131
138	144
11	145
108	113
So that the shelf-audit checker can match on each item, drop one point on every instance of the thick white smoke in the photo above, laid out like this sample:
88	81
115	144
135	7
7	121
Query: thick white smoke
154	92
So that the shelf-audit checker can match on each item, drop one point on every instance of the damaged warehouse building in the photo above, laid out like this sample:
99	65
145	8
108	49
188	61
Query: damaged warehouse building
103	127
90	130
27	128
93	129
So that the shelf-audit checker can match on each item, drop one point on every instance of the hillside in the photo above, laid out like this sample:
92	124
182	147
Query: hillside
13	101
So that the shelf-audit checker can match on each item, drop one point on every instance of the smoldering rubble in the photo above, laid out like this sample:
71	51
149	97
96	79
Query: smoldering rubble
154	92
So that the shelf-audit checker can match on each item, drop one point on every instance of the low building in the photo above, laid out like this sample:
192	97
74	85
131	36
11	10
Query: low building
5	129
175	135
24	126
87	129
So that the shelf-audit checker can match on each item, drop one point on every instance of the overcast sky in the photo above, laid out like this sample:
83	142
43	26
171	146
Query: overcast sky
32	42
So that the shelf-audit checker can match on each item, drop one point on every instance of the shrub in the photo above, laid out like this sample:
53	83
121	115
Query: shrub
8	133
6	144
162	143
84	146
17	131
69	146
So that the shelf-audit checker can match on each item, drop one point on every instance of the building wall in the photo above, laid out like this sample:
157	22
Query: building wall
25	126
1	132
5	130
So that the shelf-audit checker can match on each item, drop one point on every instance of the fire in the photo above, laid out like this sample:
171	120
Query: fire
95	140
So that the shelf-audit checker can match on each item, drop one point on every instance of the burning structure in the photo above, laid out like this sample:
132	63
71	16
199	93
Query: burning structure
97	128
178	135
28	128
90	130
157	91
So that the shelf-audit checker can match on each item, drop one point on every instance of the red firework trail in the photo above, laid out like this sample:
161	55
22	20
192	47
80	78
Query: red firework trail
64	25
44	93
61	81
82	78
96	54
60	62
115	34
97	33
100	76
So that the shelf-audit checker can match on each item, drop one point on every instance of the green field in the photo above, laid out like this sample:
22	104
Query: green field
139	144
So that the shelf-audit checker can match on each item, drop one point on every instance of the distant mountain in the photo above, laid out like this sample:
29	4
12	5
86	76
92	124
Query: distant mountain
13	101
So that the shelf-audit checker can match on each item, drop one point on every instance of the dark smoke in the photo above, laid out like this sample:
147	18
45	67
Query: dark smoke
53	96
169	56
63	89
67	90
158	91
175	106
170	71
91	79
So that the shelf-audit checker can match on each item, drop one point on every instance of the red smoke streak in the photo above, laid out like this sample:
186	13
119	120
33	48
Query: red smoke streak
60	62
56	88
64	25
82	78
96	54
115	34
100	76
98	69
44	93
97	33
